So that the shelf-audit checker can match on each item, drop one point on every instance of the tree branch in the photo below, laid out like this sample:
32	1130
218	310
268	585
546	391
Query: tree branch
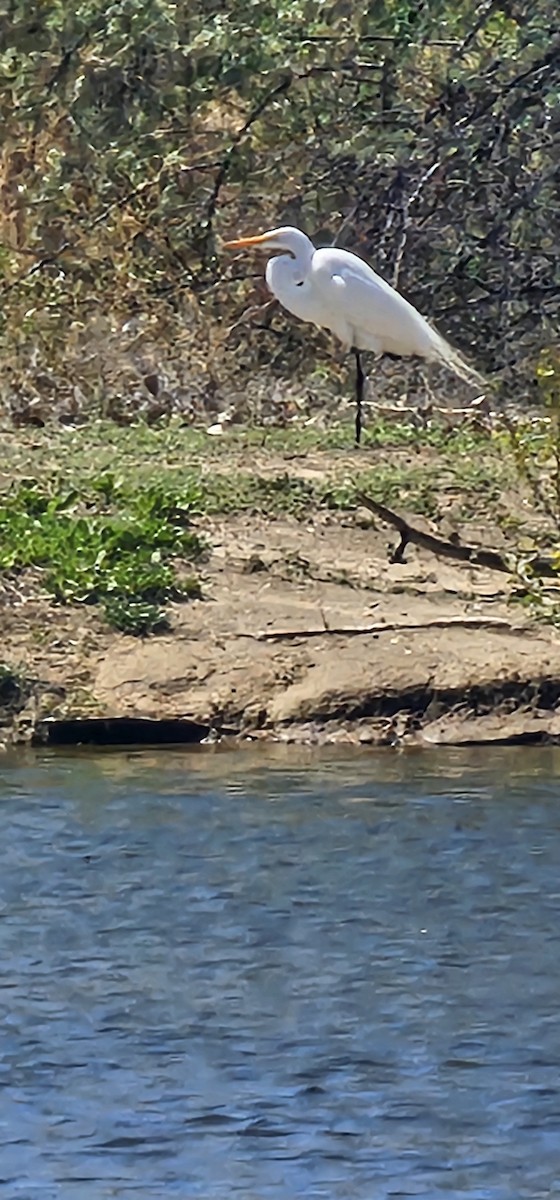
279	635
271	94
475	556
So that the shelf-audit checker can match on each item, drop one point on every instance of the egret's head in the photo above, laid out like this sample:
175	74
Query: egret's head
286	239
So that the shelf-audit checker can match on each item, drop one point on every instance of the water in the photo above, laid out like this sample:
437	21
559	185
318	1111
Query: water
224	976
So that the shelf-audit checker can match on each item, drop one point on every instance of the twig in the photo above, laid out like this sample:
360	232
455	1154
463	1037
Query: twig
279	635
407	201
477	556
318	38
65	60
483	12
271	94
260	310
409	412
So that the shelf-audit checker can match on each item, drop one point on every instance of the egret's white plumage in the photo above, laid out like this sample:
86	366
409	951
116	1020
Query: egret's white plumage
336	290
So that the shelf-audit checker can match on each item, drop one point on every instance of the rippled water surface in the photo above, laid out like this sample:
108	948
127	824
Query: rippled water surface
272	977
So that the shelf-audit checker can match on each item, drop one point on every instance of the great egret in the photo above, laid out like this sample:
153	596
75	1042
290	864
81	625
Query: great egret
337	290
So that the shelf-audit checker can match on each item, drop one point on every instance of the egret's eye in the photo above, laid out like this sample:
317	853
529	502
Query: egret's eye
300	284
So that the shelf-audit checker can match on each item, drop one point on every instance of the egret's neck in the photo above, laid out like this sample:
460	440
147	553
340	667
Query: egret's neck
282	274
293	244
290	266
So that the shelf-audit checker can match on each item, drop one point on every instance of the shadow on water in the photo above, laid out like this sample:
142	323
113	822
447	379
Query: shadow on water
280	974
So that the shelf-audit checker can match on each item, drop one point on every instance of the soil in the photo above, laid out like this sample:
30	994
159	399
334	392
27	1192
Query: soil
306	632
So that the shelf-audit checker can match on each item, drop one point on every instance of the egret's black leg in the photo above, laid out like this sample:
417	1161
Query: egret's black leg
360	380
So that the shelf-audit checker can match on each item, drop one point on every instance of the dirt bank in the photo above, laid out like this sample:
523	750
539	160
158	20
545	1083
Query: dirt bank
305	630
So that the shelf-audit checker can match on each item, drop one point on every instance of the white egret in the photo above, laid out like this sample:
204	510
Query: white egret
336	290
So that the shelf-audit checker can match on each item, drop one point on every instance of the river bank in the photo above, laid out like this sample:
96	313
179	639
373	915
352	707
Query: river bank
280	613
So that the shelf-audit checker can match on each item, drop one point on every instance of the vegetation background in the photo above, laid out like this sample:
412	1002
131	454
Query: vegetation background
425	135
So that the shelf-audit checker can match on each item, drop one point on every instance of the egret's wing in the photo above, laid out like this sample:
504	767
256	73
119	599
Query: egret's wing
377	317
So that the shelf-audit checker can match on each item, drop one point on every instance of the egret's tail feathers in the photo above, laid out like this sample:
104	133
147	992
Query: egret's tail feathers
448	357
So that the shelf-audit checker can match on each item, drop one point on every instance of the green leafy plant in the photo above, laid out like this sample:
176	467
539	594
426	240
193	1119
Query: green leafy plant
135	617
120	558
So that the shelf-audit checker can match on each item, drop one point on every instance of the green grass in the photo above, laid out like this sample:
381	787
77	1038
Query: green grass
141	450
416	487
116	552
108	514
231	473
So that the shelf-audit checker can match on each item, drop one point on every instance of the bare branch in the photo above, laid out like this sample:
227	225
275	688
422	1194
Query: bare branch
475	556
271	94
280	635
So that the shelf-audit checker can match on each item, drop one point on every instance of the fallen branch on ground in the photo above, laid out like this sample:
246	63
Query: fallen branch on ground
278	635
476	556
